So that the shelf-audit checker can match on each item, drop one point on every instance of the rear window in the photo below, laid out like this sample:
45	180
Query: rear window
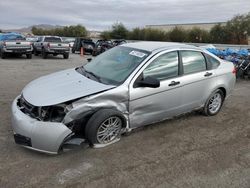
52	39
214	62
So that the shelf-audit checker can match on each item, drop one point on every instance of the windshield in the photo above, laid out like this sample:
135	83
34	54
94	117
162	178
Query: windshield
52	39
116	64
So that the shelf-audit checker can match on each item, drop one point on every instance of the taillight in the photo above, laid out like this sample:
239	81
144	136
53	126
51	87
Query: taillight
48	45
234	71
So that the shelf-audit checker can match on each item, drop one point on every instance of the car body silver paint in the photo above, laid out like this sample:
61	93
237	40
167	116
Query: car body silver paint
140	106
150	105
60	87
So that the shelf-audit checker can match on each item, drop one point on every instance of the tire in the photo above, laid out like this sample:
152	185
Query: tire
35	52
248	72
66	56
29	56
96	125
2	55
240	73
44	54
93	53
217	97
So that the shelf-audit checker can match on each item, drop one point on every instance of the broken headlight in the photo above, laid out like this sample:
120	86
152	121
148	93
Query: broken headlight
52	113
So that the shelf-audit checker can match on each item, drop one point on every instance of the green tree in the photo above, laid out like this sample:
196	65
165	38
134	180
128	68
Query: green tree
178	34
119	31
238	28
105	35
68	31
220	34
198	35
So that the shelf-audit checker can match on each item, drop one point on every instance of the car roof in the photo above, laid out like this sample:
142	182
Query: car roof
158	46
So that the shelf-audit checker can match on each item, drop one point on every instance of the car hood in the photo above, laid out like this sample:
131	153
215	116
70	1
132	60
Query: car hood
60	87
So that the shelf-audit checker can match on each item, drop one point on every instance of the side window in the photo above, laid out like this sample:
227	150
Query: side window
163	67
214	62
193	62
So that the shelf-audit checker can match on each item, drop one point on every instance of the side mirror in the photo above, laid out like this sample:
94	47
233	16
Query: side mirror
89	59
148	82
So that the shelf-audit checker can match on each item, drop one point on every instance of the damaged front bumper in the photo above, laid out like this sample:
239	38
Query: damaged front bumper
47	137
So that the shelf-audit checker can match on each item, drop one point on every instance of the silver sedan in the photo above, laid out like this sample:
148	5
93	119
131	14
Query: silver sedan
127	87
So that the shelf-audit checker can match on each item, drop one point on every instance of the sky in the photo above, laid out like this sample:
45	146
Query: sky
101	14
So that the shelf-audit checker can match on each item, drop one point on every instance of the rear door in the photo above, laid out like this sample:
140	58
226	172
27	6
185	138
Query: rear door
198	79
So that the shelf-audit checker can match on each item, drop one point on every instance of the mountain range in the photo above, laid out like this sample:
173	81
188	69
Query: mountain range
28	29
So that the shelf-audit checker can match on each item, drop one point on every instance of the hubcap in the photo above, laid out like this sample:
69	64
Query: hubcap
215	103
109	130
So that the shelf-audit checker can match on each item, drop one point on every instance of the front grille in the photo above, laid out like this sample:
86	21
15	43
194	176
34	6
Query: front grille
27	108
22	140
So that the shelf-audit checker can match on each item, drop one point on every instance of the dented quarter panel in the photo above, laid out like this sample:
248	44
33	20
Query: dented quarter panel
116	98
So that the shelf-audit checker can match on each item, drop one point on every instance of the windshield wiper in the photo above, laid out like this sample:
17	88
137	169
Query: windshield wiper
98	78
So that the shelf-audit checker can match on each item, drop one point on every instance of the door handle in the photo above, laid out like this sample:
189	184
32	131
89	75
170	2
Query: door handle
174	83
208	74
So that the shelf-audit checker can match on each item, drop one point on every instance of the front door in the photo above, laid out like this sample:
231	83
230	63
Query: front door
149	105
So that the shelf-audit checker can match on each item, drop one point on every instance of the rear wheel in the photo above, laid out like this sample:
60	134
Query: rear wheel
214	103
29	56
104	127
44	54
66	56
2	55
35	52
248	73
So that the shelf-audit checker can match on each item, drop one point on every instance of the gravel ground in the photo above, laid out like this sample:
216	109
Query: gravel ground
188	151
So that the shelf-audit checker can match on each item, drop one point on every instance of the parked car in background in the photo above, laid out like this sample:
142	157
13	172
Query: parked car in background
102	46
32	40
126	87
46	45
87	44
70	41
13	43
119	42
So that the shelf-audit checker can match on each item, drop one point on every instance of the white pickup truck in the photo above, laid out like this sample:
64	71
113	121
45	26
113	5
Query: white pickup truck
14	44
51	45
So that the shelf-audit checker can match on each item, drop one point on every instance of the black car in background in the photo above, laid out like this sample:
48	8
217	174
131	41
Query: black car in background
87	44
119	42
102	46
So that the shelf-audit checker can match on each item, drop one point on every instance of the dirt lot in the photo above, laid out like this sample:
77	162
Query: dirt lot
189	151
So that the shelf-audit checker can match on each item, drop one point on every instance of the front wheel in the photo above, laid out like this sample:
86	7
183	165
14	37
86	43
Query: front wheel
214	103
104	127
66	56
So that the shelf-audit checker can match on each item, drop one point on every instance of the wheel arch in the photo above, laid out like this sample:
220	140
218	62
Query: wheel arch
223	89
